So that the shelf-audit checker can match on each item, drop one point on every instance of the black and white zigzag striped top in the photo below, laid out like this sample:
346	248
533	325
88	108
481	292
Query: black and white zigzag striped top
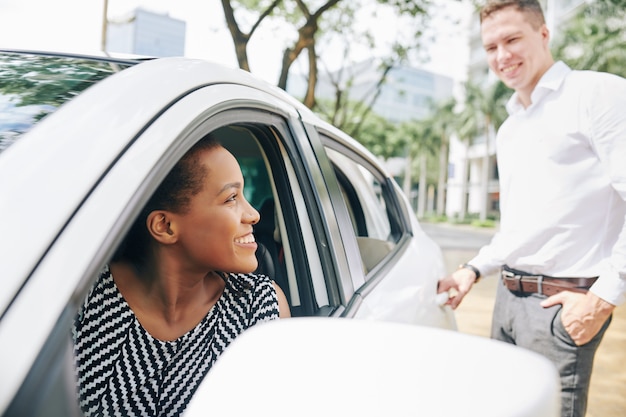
123	371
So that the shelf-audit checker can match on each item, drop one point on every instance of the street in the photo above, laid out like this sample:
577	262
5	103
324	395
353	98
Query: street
607	396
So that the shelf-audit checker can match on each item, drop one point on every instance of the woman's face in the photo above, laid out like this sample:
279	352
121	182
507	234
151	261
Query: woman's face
216	231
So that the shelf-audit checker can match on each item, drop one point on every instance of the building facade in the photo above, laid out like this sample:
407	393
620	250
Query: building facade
146	33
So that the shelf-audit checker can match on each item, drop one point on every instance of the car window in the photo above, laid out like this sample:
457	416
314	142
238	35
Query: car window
276	189
269	189
271	153
369	203
33	86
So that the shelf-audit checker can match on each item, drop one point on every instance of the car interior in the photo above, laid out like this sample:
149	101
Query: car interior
375	226
281	253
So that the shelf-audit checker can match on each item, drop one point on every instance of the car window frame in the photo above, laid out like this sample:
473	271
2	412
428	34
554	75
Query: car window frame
401	226
223	106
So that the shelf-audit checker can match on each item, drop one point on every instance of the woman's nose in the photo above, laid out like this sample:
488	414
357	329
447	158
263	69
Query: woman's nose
252	215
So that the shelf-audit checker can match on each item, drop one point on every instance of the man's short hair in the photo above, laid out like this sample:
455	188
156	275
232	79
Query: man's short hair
530	8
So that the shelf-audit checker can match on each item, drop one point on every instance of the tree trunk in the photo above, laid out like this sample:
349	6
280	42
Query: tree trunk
105	26
464	183
443	177
406	182
423	188
485	172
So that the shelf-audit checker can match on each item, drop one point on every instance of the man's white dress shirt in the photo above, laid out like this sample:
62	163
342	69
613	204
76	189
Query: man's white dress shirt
562	169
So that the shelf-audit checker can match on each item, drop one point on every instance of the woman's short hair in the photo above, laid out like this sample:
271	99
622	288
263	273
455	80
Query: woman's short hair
185	180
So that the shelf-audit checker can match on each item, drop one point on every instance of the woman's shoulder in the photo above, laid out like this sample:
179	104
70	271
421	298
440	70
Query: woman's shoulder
104	286
254	295
249	282
102	295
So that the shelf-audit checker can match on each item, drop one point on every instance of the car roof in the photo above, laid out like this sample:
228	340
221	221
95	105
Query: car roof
111	114
96	56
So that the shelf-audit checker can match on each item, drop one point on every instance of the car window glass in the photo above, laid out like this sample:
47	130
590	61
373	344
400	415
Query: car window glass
270	171
279	232
366	199
33	86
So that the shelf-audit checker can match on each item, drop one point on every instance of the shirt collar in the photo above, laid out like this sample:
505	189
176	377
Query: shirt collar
550	81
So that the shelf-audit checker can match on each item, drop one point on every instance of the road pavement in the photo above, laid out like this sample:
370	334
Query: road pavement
607	396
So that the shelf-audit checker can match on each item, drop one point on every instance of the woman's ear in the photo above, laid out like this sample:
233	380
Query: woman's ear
159	226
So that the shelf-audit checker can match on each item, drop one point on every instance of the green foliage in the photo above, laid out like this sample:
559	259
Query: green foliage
483	223
435	218
310	26
378	135
33	87
409	7
595	39
51	81
482	107
443	119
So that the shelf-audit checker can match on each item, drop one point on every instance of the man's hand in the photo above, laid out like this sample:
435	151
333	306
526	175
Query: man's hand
460	281
583	314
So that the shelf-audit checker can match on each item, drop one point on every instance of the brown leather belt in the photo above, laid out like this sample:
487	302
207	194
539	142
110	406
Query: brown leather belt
522	283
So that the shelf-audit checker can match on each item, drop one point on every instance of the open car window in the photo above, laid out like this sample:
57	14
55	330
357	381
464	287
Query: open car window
275	175
370	204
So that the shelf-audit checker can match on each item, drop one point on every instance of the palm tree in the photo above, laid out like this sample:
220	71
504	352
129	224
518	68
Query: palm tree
487	106
467	129
443	126
420	142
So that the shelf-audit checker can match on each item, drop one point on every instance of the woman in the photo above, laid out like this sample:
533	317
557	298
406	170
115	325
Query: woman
163	311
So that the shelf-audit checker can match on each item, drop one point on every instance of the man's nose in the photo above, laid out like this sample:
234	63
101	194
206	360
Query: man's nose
503	53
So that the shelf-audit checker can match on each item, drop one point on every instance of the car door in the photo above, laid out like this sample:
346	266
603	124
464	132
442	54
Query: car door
37	364
392	259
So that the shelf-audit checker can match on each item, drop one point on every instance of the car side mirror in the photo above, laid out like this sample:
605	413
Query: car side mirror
340	367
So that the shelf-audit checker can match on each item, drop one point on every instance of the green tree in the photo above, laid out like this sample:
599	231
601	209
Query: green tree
419	141
344	112
378	135
28	95
443	127
595	38
487	106
310	22
467	128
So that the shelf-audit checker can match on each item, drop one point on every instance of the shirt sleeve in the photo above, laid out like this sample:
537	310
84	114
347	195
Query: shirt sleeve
264	304
487	260
607	101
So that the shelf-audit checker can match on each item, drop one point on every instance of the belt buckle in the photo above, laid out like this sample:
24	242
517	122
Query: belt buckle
540	284
516	278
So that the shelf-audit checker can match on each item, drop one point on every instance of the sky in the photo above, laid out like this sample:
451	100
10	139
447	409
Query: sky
76	26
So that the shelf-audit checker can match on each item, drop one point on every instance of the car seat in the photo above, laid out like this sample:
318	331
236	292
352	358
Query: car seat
271	262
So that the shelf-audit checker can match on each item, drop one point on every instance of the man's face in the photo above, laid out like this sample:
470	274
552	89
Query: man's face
517	52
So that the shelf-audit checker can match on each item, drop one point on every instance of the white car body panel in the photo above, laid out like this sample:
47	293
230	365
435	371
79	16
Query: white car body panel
73	197
144	98
374	369
411	278
70	256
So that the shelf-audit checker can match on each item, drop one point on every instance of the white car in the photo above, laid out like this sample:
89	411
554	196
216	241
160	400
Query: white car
84	141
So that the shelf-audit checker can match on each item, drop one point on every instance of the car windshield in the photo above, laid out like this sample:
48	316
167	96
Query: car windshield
32	86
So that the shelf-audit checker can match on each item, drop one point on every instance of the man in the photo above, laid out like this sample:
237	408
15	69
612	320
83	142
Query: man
561	247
